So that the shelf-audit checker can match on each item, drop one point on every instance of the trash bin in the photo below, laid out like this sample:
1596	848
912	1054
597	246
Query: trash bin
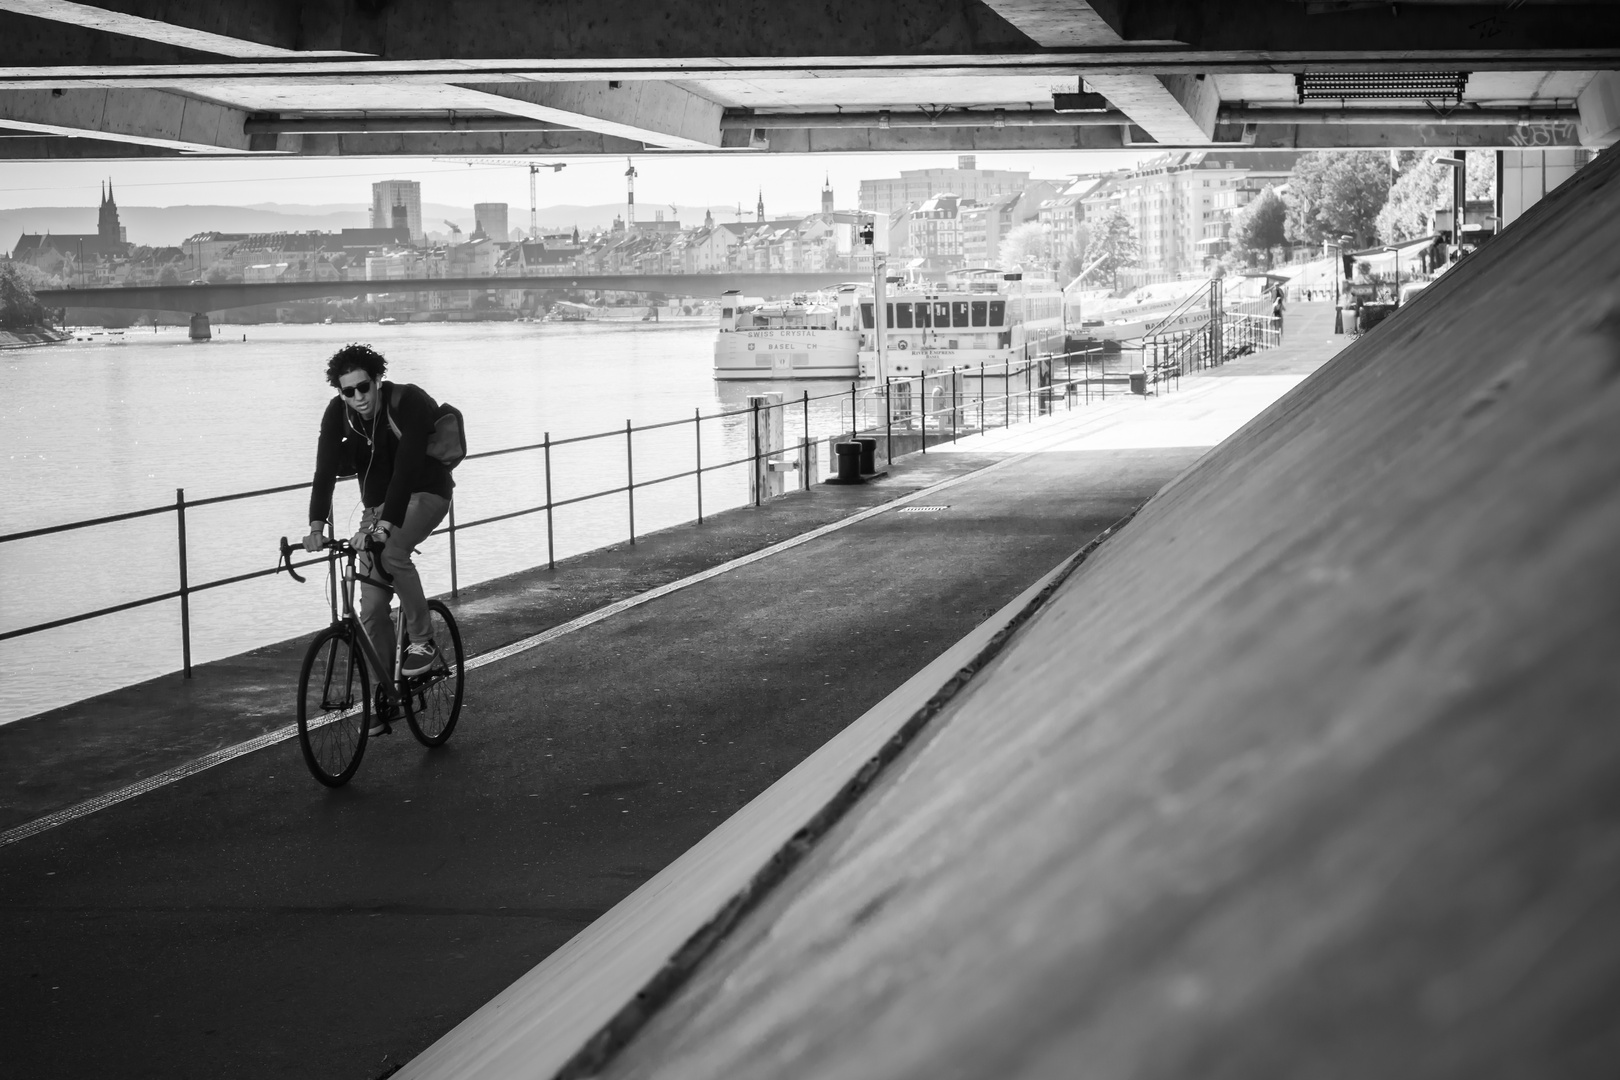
1139	383
849	462
868	454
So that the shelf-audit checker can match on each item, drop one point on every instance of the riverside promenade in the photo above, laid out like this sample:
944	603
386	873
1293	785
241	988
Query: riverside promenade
240	920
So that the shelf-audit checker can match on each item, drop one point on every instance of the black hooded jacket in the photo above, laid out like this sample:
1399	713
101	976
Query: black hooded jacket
391	469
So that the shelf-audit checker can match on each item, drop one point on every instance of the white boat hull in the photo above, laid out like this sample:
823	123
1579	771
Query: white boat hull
787	354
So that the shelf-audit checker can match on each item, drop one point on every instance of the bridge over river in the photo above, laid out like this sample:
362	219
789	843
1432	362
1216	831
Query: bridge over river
204	298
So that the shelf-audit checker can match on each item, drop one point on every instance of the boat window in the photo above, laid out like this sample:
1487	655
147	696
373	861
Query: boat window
902	316
922	315
959	313
867	316
890	309
727	313
998	312
979	307
942	313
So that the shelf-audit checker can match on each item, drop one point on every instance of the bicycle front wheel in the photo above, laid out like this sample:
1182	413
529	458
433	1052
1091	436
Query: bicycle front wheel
334	706
433	699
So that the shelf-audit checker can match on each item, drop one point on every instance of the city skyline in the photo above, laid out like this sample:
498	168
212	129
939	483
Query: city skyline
699	180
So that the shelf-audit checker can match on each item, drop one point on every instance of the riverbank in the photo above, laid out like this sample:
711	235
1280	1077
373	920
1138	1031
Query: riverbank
36	335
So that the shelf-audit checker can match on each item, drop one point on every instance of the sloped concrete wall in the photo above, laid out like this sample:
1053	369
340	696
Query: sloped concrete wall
1314	771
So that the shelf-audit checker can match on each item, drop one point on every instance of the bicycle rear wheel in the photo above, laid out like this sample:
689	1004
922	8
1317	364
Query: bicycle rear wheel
433	700
334	706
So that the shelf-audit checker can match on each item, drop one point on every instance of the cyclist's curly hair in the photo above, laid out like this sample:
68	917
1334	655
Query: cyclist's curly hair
355	356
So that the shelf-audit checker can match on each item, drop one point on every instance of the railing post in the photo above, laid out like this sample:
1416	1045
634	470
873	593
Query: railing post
1006	393
807	416
759	488
922	410
888	421
630	477
551	551
854	429
981	397
956	401
697	428
185	585
454	586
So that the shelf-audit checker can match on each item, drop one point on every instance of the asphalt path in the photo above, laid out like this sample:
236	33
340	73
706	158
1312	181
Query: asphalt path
246	923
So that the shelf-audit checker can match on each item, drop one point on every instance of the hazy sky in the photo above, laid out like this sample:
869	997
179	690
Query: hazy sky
789	182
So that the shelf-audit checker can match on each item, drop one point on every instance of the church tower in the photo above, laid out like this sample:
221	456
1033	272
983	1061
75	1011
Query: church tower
826	195
108	229
759	208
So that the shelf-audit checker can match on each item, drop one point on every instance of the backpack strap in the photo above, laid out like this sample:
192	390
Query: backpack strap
395	393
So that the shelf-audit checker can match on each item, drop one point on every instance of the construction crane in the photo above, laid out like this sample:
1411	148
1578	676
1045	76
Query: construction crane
630	194
533	167
455	230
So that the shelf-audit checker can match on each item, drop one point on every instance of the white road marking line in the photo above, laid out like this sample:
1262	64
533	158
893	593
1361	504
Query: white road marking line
282	734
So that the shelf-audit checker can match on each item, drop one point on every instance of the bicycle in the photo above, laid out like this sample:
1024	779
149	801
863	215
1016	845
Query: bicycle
334	692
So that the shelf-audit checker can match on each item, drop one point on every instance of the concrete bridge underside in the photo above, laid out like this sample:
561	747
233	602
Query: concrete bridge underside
504	77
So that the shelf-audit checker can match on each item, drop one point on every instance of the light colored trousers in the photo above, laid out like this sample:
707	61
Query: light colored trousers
422	516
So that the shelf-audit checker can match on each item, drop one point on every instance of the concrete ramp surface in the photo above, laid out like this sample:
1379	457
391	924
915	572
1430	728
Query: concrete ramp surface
1313	771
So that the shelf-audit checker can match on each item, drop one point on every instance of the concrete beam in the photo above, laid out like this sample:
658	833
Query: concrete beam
745	121
58	148
656	113
1058	24
1171	108
460	144
1334	136
262	26
146	117
1599	106
568	29
575	30
1124	137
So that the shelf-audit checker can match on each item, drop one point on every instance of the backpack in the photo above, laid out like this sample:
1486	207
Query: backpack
448	443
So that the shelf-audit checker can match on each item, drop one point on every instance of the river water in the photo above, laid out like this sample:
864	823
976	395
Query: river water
100	428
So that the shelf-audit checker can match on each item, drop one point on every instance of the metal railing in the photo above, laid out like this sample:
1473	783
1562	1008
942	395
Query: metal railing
1227	332
864	414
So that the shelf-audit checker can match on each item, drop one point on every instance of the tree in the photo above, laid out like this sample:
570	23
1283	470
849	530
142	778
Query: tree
169	275
1075	257
1261	225
1113	239
1026	246
1425	185
20	309
1333	194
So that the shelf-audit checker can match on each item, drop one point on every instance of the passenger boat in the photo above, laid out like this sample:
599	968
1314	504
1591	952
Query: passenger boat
805	337
981	315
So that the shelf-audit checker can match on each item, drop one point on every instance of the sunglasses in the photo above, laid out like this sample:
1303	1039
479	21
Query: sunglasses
357	388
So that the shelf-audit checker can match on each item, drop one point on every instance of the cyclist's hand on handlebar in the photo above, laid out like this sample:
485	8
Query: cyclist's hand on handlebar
315	541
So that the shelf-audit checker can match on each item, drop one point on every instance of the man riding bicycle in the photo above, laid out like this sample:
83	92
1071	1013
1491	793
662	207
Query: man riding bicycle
379	431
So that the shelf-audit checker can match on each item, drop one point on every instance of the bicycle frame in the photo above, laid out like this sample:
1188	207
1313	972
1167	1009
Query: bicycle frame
342	586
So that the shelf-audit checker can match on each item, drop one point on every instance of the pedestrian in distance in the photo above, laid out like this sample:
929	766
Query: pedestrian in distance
379	432
1277	311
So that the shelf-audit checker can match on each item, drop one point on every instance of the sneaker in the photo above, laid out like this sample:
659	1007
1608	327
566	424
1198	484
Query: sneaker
420	657
383	713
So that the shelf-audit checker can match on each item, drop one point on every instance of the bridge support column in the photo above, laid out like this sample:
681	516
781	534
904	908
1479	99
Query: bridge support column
201	328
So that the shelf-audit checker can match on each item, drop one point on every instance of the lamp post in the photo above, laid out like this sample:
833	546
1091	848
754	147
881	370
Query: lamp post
1459	195
1397	252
